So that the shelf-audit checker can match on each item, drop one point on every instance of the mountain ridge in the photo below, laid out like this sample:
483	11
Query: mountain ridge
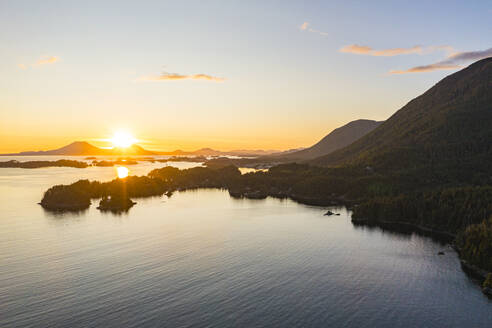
83	148
453	118
336	139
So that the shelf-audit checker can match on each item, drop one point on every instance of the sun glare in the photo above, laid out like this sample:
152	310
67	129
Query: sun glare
122	172
122	139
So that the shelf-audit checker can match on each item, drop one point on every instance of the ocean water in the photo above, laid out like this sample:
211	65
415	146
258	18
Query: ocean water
204	259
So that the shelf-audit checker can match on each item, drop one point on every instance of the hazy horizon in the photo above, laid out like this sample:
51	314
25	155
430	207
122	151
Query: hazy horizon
108	145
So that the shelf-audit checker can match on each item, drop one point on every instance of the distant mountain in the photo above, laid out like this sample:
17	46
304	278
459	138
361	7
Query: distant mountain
213	152
82	148
199	152
338	138
450	125
259	152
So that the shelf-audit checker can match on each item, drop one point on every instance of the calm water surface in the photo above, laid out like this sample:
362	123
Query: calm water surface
203	259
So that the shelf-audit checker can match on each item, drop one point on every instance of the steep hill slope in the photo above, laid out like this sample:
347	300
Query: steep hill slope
450	125
337	139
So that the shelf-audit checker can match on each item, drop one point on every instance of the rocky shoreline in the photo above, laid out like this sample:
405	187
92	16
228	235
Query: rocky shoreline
439	234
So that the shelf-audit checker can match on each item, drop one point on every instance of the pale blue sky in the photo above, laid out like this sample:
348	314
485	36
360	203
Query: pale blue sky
284	86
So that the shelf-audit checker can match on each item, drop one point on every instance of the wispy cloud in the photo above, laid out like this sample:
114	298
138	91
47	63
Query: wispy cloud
366	50
47	60
426	68
165	76
306	27
470	55
453	61
419	50
447	49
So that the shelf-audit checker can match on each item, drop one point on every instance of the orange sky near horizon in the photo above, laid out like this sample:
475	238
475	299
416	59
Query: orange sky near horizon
287	139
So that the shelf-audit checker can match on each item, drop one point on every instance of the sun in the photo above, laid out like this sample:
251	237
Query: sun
122	139
122	172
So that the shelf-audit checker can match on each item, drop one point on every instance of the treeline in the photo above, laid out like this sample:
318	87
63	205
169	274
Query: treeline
475	245
64	163
78	195
39	164
307	184
106	163
395	197
304	183
448	210
197	177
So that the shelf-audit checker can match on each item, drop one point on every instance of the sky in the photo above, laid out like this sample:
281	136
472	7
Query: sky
222	74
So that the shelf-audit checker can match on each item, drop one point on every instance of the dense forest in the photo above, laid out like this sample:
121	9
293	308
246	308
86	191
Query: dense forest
475	245
78	195
447	210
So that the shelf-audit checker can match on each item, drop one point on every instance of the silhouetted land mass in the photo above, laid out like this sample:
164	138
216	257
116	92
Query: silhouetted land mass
213	152
102	163
257	163
192	159
337	139
40	164
64	163
73	197
116	202
156	183
427	166
83	148
115	162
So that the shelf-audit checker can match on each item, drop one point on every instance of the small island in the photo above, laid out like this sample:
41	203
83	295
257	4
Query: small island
108	163
67	198
117	202
40	164
66	163
192	159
